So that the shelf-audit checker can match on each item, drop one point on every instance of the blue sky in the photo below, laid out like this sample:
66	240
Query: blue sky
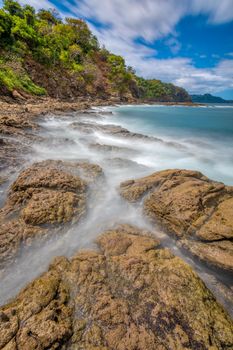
187	42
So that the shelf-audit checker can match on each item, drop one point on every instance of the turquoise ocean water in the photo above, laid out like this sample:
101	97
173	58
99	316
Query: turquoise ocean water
205	136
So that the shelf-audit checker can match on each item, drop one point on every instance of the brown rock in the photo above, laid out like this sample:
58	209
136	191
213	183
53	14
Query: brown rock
130	295
16	95
58	207
47	193
190	206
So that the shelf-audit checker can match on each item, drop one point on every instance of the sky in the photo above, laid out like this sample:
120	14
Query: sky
186	42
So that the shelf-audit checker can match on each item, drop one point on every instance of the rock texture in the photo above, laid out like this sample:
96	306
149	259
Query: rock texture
190	206
129	295
45	195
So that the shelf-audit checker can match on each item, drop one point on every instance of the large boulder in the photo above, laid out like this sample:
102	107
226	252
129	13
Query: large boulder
43	198
193	208
131	294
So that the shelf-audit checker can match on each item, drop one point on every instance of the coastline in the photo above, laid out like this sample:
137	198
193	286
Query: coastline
23	124
18	118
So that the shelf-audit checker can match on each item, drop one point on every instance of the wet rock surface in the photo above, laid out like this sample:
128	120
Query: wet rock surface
131	294
112	150
19	127
44	196
193	208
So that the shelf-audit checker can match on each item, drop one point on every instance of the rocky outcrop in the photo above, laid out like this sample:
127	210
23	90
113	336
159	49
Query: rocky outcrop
130	294
45	196
193	208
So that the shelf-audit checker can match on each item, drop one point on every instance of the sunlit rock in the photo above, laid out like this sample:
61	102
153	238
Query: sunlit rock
43	198
192	208
131	294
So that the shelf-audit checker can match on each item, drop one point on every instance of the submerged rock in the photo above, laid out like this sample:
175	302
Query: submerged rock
111	149
190	206
43	196
130	295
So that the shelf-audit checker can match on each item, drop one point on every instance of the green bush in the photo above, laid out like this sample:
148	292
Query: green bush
12	81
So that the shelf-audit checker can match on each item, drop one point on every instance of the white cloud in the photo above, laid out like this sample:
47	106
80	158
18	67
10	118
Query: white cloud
219	11
182	72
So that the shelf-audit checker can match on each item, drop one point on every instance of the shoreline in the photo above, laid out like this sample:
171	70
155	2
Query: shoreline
68	188
21	123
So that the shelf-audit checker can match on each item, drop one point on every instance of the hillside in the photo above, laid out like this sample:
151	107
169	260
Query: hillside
208	98
42	55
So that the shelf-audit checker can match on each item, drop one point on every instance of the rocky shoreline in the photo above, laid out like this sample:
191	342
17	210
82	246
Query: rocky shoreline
131	287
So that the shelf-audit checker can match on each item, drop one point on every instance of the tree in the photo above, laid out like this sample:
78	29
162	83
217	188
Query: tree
22	31
82	34
13	7
5	28
50	16
29	14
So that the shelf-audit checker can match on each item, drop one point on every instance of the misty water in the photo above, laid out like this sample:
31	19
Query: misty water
199	138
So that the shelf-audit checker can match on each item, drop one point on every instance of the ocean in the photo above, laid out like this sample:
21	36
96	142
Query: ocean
205	132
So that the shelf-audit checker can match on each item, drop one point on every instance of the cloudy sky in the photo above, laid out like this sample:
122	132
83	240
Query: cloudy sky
187	42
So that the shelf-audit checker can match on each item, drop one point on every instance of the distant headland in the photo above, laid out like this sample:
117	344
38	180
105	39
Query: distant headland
208	98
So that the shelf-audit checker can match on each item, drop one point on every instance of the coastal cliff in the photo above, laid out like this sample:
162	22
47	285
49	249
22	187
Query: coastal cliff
41	55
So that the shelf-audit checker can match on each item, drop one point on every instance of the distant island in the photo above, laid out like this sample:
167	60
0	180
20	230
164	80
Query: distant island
208	98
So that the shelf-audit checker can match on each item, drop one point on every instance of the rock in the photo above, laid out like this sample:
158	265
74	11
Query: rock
14	124
49	175
87	171
44	195
16	95
191	207
111	148
219	254
90	127
129	295
12	235
58	207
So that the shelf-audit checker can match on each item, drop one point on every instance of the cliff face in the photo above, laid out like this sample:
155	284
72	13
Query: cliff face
42	55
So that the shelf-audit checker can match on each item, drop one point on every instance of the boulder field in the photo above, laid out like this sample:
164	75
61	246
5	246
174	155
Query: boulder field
191	207
129	294
42	199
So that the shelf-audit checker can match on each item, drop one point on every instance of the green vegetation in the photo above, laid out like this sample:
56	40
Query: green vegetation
12	81
156	90
41	54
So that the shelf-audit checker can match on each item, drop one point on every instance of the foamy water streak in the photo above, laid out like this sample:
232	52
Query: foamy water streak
134	157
